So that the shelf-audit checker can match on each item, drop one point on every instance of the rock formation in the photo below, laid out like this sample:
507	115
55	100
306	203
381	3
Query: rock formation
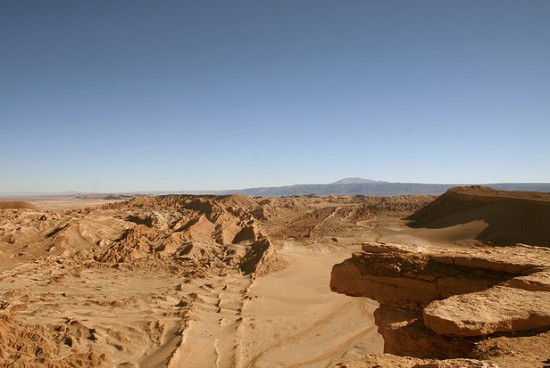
392	361
448	302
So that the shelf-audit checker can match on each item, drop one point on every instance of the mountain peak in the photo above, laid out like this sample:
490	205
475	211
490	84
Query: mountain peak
354	181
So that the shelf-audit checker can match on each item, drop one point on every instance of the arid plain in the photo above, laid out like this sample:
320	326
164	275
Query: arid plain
234	281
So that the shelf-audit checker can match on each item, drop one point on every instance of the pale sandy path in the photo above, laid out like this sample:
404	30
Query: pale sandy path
293	319
286	319
209	339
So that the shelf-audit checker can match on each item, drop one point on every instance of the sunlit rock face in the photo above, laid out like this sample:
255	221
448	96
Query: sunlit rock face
446	302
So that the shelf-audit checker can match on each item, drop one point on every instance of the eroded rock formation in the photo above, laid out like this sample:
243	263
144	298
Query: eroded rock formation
448	302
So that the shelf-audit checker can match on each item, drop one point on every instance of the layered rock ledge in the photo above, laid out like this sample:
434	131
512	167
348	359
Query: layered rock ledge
392	361
448	302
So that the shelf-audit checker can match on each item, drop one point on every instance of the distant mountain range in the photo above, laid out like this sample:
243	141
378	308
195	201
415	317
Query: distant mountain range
347	186
359	186
357	181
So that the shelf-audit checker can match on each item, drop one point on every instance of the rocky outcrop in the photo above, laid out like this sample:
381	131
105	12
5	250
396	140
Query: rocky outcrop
408	280
499	309
261	258
441	302
393	361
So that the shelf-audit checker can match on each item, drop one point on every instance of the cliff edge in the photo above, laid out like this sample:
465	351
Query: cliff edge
484	303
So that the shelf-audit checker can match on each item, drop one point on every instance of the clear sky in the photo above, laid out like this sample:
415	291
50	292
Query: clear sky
184	95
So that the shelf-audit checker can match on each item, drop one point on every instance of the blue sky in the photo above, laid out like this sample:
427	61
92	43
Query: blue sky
185	95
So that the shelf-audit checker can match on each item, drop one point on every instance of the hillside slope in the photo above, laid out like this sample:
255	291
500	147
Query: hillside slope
511	216
17	205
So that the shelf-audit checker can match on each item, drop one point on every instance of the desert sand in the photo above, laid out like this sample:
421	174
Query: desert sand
223	281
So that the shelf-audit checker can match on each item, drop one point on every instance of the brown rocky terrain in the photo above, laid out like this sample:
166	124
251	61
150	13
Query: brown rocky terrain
179	280
6	205
235	281
477	301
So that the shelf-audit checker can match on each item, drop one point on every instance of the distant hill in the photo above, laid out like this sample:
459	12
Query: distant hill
356	181
359	186
4	205
510	216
